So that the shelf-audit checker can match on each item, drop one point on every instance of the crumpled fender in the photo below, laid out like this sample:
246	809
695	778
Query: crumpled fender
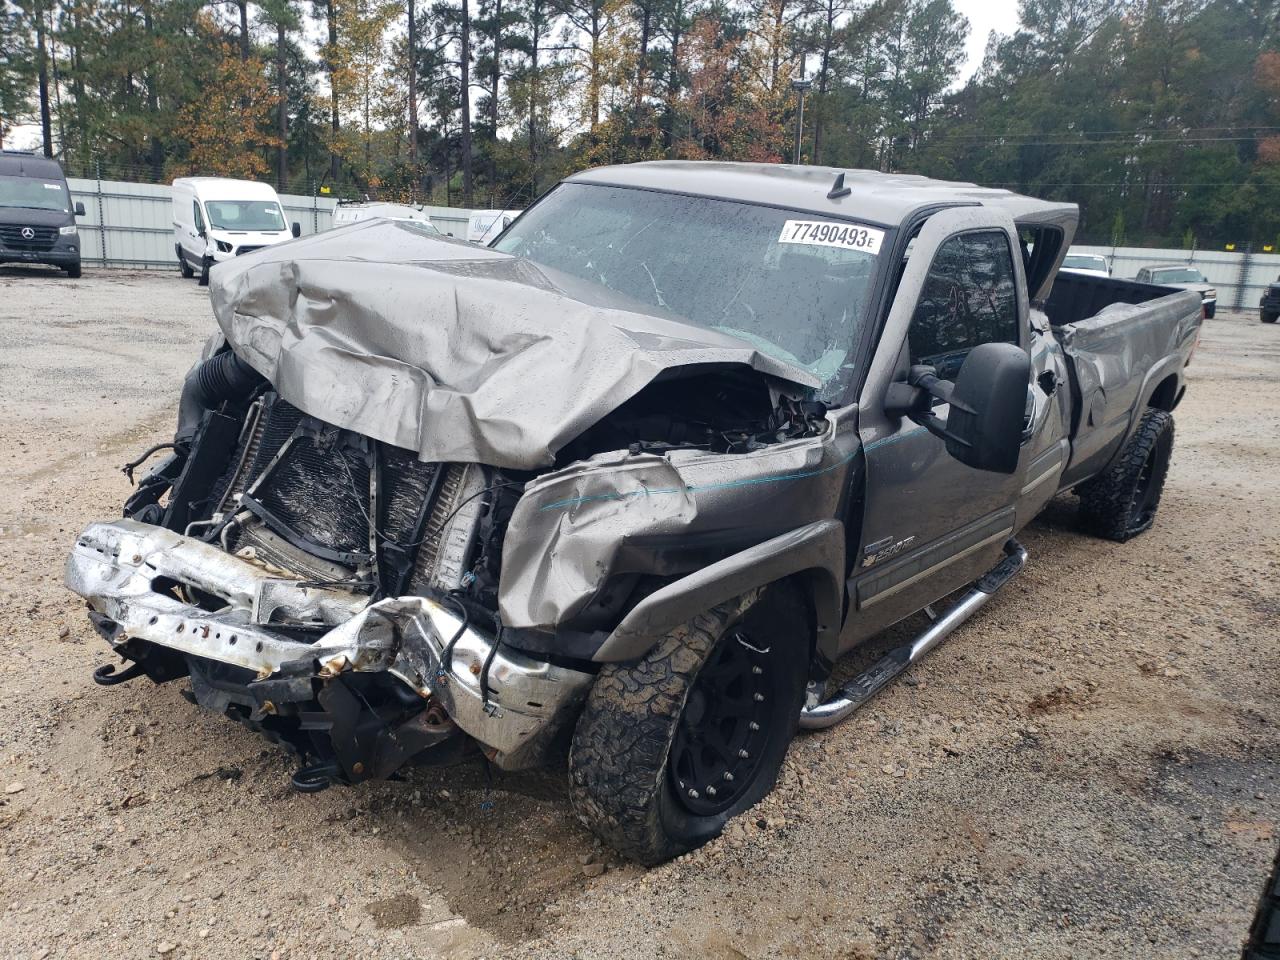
671	515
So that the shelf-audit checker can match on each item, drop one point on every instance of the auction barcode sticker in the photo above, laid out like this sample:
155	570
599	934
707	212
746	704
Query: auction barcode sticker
820	233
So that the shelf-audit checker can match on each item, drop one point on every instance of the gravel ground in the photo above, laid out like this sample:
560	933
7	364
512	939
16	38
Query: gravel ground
1087	769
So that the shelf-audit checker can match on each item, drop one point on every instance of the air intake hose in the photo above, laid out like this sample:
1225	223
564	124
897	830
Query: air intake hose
222	377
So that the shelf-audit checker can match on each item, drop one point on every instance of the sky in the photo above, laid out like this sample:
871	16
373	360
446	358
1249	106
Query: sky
984	16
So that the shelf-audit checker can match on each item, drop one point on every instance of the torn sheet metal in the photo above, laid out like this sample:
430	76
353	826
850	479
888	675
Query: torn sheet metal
459	352
619	513
510	702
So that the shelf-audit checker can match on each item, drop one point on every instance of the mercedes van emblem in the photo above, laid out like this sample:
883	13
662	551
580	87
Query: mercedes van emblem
28	233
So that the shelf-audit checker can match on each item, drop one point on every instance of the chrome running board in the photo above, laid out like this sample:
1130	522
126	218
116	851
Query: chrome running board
871	681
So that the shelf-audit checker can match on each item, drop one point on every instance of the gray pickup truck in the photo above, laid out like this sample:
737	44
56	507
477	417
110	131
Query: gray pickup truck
631	481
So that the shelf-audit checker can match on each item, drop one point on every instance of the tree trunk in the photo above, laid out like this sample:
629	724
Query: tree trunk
533	95
495	73
245	50
57	87
824	73
331	66
42	69
646	20
593	93
413	96
465	94
282	128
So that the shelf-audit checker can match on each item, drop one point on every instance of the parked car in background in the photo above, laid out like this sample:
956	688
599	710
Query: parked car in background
37	217
1269	308
483	226
1183	277
216	219
354	211
1089	264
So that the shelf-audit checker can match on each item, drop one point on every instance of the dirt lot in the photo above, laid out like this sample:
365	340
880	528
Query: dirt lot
1088	769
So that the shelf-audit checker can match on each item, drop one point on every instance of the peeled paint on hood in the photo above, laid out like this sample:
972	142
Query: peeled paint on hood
459	352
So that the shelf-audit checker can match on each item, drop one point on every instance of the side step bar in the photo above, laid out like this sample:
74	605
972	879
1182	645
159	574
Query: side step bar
867	684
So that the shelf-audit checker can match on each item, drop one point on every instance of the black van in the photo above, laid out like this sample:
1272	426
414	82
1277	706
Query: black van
37	220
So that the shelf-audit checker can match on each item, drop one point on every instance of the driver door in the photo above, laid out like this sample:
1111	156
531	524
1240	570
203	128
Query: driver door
930	523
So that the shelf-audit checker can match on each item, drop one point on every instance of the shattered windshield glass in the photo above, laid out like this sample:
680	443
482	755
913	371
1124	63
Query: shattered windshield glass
793	285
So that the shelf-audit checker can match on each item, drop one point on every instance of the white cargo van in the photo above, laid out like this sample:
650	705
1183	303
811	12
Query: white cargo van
348	212
483	226
215	219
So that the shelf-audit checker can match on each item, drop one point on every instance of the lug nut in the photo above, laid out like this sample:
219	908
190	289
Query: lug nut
757	671
743	755
759	697
711	791
694	794
753	725
728	776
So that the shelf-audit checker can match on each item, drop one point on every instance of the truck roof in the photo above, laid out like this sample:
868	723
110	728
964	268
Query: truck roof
886	199
226	188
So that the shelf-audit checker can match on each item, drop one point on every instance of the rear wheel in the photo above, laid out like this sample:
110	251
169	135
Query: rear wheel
669	747
183	267
1121	503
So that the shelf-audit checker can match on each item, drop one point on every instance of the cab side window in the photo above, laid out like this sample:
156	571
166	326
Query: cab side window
195	206
969	297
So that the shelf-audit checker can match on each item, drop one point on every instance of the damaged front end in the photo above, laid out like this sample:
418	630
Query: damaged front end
356	550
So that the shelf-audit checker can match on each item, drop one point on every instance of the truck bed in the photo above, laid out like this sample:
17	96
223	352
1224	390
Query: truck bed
1125	341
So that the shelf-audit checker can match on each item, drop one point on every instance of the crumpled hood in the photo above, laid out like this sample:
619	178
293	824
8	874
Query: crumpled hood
459	352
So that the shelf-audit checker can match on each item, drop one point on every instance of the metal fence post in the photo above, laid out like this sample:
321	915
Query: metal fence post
1243	279
315	213
102	224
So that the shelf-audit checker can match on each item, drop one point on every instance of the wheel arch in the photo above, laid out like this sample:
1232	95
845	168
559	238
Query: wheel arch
810	557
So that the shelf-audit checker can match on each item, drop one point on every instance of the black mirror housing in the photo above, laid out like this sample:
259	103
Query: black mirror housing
988	404
296	229
79	209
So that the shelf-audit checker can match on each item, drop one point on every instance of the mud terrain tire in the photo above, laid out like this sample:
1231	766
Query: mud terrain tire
624	783
1121	502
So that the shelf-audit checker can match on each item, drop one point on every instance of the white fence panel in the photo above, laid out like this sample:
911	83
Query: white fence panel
1239	277
131	224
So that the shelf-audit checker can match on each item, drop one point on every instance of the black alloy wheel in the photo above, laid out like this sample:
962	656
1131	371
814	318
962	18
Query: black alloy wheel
722	732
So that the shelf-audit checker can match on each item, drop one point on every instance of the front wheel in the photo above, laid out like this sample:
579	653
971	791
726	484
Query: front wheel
1209	311
73	270
1269	317
671	746
1121	502
204	271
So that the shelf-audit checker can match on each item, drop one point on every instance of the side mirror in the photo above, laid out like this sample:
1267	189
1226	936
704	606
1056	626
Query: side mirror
988	402
296	230
79	209
988	406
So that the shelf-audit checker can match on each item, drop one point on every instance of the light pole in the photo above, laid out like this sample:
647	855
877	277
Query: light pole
801	87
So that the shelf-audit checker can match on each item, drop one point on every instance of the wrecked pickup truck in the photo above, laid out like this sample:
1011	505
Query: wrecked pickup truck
631	481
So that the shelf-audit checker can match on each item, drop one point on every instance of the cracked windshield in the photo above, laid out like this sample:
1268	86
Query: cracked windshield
791	285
